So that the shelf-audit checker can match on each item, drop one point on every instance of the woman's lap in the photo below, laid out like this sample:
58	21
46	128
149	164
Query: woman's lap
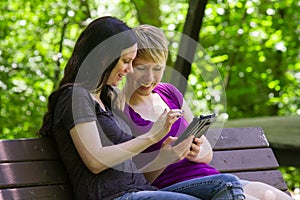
214	187
219	186
156	195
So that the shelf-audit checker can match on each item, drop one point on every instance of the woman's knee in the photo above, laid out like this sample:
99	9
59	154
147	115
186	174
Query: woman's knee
231	187
230	178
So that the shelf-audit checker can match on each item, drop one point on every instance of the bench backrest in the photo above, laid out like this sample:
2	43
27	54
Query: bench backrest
31	168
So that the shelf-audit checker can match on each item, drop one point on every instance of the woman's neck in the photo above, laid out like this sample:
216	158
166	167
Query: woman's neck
136	99
150	107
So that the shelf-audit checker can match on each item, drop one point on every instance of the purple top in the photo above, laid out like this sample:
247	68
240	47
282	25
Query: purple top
177	172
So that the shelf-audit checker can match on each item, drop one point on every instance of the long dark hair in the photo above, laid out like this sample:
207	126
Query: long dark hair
95	54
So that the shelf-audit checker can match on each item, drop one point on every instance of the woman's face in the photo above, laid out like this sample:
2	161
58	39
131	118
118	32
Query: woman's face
146	75
123	67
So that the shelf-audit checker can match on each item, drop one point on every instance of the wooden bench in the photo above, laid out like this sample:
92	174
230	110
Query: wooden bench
31	168
245	152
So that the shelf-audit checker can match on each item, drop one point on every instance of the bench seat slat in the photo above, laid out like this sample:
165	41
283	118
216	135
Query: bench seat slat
27	150
244	160
58	192
32	174
271	177
238	138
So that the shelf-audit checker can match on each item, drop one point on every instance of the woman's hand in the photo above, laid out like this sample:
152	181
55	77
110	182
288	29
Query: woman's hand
201	151
195	149
163	125
170	154
167	155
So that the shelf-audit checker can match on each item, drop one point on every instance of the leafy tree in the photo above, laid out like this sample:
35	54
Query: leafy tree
253	44
35	40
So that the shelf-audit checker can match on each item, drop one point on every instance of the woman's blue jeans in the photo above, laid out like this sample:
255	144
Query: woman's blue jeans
214	187
156	195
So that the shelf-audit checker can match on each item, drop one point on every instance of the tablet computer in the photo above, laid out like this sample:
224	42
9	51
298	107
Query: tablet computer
197	127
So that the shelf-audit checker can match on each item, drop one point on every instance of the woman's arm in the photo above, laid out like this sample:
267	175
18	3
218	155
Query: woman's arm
98	158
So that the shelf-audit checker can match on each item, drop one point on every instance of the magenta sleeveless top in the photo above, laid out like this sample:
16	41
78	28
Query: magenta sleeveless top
177	172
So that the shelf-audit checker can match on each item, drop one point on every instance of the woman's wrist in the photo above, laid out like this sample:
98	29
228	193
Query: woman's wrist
148	138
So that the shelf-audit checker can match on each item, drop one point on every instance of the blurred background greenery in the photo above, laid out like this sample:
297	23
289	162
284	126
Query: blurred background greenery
253	43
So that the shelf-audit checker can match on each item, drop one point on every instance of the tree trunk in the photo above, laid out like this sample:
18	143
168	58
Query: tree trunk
148	12
188	43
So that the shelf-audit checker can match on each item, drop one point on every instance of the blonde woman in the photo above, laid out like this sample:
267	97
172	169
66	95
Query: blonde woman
146	96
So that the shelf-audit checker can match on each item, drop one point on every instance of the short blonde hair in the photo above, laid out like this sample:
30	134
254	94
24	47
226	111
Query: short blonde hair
152	43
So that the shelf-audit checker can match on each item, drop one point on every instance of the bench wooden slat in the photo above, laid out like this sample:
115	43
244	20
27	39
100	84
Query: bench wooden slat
32	174
27	150
244	160
238	138
271	177
58	192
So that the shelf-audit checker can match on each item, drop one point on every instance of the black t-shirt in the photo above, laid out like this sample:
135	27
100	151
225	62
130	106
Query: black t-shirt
75	105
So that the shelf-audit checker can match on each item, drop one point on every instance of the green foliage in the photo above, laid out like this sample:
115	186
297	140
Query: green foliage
255	44
292	176
31	60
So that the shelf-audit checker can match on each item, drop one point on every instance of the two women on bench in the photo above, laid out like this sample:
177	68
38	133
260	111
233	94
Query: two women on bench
145	97
94	142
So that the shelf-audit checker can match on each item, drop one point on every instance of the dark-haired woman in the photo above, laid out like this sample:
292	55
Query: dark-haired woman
94	144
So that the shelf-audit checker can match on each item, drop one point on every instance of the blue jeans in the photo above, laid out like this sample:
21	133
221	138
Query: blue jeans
156	195
214	187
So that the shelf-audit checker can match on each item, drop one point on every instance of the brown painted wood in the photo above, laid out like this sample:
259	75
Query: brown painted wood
57	192
244	160
271	177
27	150
238	138
32	174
